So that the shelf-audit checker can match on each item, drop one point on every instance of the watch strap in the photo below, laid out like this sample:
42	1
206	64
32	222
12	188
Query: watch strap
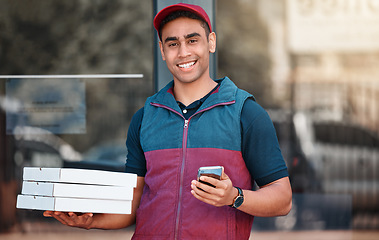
239	198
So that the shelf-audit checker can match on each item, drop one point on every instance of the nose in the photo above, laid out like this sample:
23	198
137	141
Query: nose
184	51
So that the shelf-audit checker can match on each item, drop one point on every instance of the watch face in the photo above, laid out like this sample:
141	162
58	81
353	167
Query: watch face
238	202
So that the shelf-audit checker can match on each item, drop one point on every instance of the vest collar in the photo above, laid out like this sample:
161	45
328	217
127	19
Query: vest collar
226	93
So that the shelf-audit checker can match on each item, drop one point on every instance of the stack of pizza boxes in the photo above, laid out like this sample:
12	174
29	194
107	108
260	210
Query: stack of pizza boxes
77	190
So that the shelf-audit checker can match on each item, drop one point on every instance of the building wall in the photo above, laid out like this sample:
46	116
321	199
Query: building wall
325	55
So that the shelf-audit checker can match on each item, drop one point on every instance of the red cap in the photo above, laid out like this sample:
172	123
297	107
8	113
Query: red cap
178	7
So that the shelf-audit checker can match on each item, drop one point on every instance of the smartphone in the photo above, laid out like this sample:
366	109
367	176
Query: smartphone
211	171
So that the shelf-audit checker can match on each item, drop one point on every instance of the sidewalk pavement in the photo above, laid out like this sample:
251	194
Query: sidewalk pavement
53	231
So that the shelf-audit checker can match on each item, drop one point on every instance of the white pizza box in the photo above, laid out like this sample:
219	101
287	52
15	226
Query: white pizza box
81	205
84	176
76	190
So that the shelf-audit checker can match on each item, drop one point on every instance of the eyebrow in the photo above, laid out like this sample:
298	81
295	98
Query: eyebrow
195	34
170	39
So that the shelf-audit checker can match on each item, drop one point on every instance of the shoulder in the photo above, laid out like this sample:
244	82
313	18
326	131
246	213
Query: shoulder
139	113
252	111
137	119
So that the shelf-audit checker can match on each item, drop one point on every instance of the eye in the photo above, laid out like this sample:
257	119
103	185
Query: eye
173	44
192	41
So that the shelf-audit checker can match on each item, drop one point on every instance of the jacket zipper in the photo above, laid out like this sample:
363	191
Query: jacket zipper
184	148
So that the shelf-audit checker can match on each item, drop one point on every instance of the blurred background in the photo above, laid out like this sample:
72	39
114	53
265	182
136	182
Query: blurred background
313	65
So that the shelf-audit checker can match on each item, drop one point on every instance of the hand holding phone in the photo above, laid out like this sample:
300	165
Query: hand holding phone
210	171
222	195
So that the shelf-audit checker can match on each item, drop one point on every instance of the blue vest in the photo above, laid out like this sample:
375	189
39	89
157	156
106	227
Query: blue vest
174	149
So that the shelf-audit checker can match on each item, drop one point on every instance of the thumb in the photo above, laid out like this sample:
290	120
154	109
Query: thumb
224	176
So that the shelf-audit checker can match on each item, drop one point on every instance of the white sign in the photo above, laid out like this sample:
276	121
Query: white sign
333	25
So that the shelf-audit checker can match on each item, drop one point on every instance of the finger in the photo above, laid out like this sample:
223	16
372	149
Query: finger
210	195
89	219
199	193
83	218
216	184
47	214
203	187
61	217
205	193
73	217
195	185
213	181
200	196
88	215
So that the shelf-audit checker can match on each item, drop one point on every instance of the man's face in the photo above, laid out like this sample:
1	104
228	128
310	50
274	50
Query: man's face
185	48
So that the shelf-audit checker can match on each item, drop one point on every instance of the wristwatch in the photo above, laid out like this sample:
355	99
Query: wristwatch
239	199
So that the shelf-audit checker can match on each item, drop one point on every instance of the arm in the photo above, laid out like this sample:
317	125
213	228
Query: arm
101	221
273	199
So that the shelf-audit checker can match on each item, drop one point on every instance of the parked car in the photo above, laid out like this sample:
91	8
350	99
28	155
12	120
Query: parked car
38	147
301	171
41	148
349	162
345	157
333	161
342	157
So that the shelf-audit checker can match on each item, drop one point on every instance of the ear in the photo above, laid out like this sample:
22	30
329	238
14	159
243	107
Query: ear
162	52
212	42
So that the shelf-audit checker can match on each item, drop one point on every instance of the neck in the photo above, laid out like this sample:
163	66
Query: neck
187	93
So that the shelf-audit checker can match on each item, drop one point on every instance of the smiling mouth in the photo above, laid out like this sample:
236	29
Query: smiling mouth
186	65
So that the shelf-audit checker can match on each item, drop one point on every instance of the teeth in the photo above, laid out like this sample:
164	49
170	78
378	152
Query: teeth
186	65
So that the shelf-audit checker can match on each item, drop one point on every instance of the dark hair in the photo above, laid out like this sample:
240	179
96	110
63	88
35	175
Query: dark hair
187	14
